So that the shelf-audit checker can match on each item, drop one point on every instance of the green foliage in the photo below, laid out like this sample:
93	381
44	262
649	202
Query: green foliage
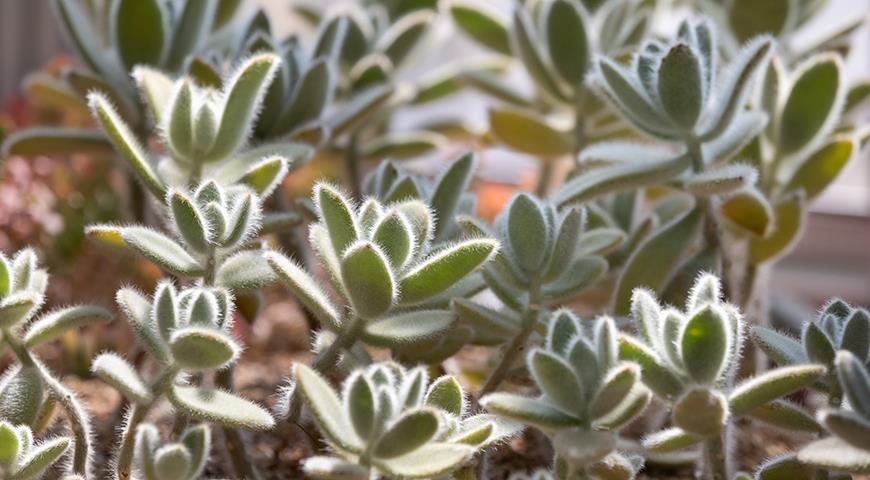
21	458
184	460
587	393
391	421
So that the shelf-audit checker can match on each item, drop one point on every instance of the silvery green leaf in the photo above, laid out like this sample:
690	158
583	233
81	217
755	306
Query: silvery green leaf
222	408
818	345
40	457
21	395
326	408
656	257
405	188
179	123
336	213
580	274
848	426
446	393
140	31
265	176
125	142
137	309
772	385
494	86
409	432
558	382
401	38
155	87
835	454
449	189
401	145
705	342
669	440
856	334
35	141
625	412
443	269
373	69
162	250
394	234
785	414
366	274
528	410
565	243
17	307
191	28
529	132
658	377
312	94
681	86
563	328
189	220
780	348
619	178
9	446
54	324
785	467
429	461
567	42
599	241
118	373
359	400
205	125
243	94
701	411
855	382
352	114
172	462
242	221
244	271
731	95
199	349
490	326
408	327
80	29
581	448
614	389
721	180
631	100
526	46
814	103
744	128
484	26
529	234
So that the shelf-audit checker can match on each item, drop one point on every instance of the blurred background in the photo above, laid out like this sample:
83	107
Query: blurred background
47	201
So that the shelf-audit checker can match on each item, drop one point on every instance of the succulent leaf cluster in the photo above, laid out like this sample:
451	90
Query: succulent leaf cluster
688	358
392	421
181	460
21	458
587	395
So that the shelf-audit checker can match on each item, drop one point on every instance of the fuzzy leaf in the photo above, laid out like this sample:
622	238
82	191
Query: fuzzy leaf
311	96
447	394
243	94
771	385
189	220
565	243
118	373
581	448
819	347
528	232
721	181
705	342
222	408
681	86
580	274
701	412
557	381
848	426
41	457
137	309
429	461
669	440
305	288
614	389
527	410
360	404
449	189
487	323
782	349
529	133
408	327
326	408
21	395
444	269
526	46
395	236
835	454
56	323
36	141
408	433
402	37
630	99
266	175
366	274
784	414
653	261
245	271
199	349
485	27
813	103
9	445
140	31
337	215
790	214
162	250
855	382
749	211
334	469
567	40
656	376
856	334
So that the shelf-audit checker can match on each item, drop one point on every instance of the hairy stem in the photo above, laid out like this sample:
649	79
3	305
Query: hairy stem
79	424
715	466
351	164
518	344
545	176
234	439
137	414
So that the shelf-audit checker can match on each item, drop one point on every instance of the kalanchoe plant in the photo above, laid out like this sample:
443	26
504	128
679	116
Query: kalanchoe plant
838	327
539	264
182	460
20	458
29	391
204	131
847	449
587	395
390	422
381	261
186	332
689	358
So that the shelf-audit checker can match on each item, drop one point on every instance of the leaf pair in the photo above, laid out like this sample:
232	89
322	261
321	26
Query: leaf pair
184	460
21	458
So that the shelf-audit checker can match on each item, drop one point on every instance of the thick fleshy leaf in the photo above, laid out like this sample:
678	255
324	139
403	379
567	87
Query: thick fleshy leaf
56	323
41	457
189	220
9	445
701	411
705	342
402	37
582	448
614	389
140	31
366	274
787	415
856	334
785	467
444	269
162	250
818	345
780	348
565	243
179	127
835	454
486	322
855	381
526	46
326	408
748	211
360	403
527	410
580	274
484	26
529	233
429	461
650	265
771	385
266	175
313	93
243	94
336	213
626	411
305	288
681	86
408	327
137	309
567	41
848	426
334	468
821	168
172	462
631	100
747	19
655	375
222	408
55	141
813	104
245	271
448	191
118	373
529	133
409	432
359	108
395	235
558	382
669	440
200	349
447	394
21	395
721	180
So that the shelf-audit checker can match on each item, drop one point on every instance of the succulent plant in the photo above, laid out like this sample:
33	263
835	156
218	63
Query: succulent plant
29	391
21	459
186	331
587	395
182	460
847	449
689	359
393	422
112	38
539	264
838	327
204	131
381	261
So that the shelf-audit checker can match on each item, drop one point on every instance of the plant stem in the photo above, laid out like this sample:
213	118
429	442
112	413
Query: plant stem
351	164
518	344
80	426
715	465
137	413
545	176
234	439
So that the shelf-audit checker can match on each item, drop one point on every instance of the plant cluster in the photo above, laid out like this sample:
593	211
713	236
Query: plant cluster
692	162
